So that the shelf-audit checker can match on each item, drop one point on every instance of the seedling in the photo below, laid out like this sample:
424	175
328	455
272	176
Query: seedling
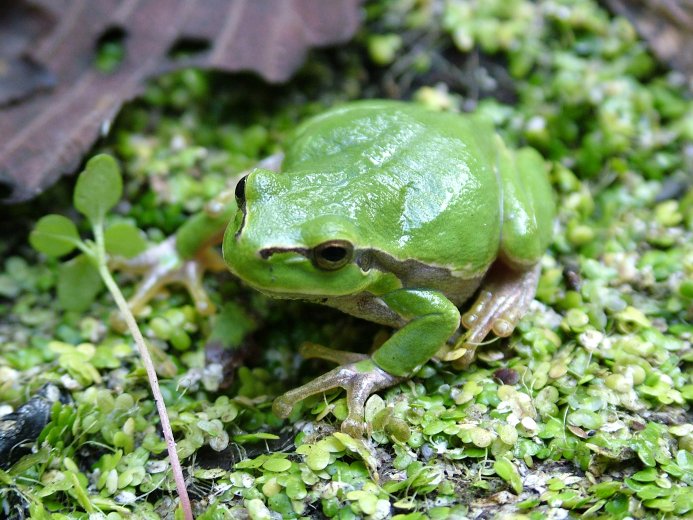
99	188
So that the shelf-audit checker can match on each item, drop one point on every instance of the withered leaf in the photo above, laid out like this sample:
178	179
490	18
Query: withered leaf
54	102
667	25
21	77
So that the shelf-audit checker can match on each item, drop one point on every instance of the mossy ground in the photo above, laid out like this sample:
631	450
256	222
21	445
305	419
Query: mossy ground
585	410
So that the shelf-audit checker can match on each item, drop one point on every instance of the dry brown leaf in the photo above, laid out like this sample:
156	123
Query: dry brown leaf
667	25
54	102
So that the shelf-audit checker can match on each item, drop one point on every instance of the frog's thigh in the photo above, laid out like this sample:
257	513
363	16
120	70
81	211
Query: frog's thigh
528	207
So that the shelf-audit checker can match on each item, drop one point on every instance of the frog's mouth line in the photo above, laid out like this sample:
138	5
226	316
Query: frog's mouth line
269	251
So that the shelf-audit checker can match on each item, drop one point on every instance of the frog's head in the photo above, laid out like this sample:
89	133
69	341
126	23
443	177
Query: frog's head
289	239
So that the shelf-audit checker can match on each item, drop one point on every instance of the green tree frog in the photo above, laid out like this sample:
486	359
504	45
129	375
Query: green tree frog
394	214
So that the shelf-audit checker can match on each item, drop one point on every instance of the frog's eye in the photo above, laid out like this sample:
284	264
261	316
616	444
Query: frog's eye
240	191
333	254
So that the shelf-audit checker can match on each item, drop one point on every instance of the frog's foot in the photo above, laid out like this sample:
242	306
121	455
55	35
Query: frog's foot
503	300
359	379
161	266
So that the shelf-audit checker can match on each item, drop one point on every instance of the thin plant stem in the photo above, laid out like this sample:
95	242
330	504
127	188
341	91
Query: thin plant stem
123	307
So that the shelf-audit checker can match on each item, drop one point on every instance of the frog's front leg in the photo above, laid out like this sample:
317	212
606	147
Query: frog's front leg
504	298
164	265
430	320
184	258
181	259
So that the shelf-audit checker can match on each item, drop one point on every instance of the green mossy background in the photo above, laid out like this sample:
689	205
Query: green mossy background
584	411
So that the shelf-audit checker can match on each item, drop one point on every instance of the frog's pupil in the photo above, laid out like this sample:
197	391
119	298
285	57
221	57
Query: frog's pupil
240	191
333	253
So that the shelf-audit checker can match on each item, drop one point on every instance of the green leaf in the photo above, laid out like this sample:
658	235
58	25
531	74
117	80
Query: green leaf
123	239
277	464
606	489
508	472
254	437
54	235
358	446
36	510
683	501
99	188
295	488
29	461
646	475
318	458
231	325
685	460
252	463
663	504
78	284
80	493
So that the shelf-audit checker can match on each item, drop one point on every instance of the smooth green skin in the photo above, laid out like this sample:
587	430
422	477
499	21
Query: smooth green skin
429	200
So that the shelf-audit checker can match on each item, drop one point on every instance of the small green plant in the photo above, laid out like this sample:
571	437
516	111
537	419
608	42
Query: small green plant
99	188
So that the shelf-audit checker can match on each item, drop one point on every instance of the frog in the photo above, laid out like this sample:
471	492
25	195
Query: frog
390	212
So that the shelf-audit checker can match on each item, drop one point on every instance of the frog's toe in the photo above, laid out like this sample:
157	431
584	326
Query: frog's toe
499	307
283	405
360	380
354	426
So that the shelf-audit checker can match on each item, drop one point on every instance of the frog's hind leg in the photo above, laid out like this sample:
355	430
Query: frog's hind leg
511	283
504	298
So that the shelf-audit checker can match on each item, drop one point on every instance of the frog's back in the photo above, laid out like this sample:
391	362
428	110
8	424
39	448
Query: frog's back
421	185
